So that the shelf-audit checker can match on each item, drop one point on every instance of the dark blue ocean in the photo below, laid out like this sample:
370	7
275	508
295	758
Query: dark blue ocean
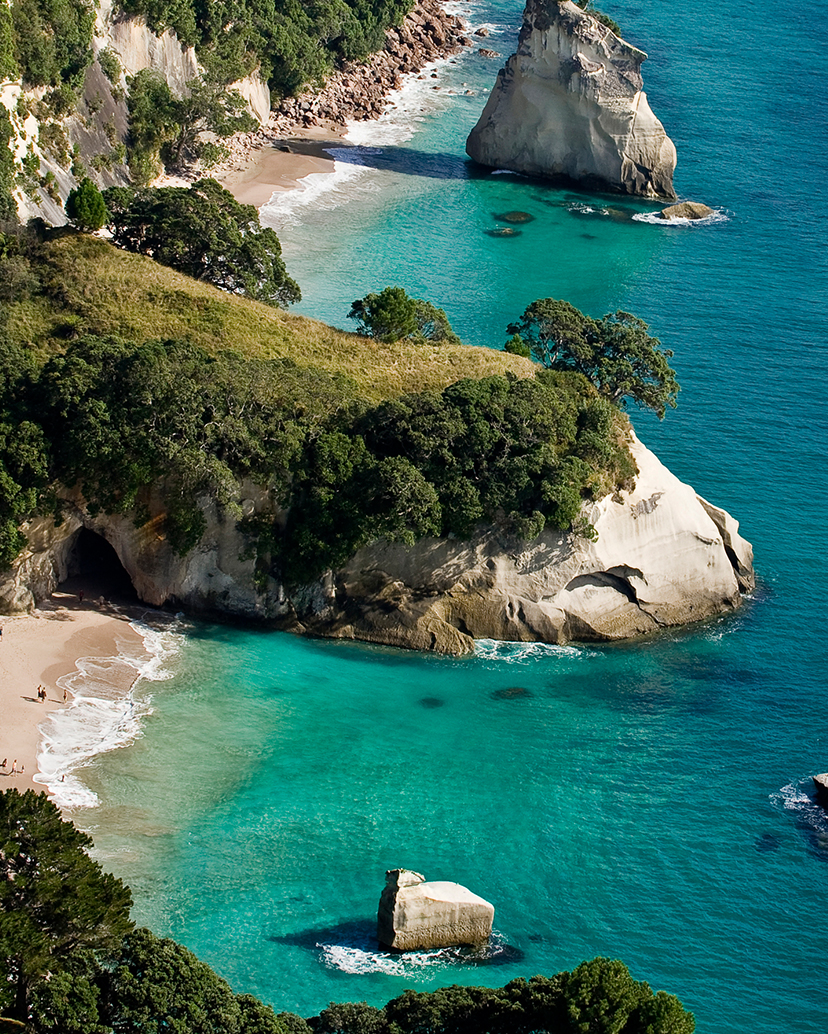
648	801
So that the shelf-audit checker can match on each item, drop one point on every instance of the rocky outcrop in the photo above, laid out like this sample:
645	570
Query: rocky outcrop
415	915
570	104
663	557
686	210
821	787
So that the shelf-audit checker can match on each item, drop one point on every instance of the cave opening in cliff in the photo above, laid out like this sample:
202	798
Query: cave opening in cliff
95	570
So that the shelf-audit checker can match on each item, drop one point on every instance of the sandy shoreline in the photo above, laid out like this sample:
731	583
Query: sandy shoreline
281	163
37	649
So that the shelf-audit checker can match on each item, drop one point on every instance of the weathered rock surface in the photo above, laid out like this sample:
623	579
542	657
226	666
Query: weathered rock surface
821	786
663	557
570	103
686	210
415	915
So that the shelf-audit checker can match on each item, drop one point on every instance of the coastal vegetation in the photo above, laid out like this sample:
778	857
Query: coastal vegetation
392	315
118	411
291	43
203	232
73	963
615	353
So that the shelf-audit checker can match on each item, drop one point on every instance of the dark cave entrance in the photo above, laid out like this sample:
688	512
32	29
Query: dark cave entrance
95	570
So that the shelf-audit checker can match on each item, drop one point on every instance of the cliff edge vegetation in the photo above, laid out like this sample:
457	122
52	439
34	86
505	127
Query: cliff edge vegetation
119	375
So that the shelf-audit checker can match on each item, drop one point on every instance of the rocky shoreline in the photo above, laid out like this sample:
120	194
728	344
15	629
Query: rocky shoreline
358	92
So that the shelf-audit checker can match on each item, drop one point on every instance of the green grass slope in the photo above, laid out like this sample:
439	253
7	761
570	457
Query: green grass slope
90	287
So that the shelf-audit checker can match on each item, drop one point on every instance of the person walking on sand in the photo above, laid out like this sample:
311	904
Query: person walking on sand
14	767
4	763
64	696
80	595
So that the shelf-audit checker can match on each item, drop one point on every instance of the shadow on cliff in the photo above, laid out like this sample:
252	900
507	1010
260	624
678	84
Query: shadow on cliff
352	946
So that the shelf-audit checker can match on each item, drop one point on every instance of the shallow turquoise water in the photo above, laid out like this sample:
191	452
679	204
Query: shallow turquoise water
647	801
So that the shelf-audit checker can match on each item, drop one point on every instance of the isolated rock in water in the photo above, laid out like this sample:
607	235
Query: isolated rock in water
570	103
515	217
821	784
415	915
686	210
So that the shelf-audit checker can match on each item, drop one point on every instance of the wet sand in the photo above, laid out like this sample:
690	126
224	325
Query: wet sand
37	649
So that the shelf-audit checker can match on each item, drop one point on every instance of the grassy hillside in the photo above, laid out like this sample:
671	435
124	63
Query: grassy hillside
88	286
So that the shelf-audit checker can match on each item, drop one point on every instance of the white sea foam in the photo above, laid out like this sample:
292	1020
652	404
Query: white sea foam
353	173
718	216
100	716
520	653
363	956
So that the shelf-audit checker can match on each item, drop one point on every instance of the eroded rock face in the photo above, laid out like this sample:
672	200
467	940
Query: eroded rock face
664	556
570	104
415	915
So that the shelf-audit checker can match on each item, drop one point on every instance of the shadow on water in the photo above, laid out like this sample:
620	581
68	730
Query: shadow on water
353	945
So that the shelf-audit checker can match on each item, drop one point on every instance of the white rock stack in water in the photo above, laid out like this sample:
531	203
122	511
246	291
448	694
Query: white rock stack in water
570	104
415	915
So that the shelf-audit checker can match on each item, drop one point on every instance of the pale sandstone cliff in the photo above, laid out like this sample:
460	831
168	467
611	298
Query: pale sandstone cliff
663	557
570	104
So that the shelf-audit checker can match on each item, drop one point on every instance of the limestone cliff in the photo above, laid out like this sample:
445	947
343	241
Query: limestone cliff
663	557
570	103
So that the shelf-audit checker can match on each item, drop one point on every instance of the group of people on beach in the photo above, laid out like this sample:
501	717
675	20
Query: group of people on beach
14	769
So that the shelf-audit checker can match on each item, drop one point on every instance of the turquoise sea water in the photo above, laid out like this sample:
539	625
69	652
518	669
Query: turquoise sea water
647	801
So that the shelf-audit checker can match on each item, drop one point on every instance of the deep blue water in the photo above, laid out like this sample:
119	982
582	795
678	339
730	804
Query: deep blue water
648	801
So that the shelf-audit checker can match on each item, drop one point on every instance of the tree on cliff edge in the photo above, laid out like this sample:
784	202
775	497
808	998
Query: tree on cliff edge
616	352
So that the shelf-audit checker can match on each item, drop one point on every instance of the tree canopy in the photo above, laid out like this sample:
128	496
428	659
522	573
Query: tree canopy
85	206
204	232
392	315
616	353
56	903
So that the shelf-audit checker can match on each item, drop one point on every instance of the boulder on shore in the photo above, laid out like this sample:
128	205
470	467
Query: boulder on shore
570	103
415	915
686	210
821	784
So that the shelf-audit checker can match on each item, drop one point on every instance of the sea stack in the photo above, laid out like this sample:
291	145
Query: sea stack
570	104
821	786
415	915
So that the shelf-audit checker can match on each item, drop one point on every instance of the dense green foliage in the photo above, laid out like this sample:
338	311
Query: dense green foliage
392	315
204	232
85	206
616	353
521	453
58	909
8	207
8	61
52	40
70	963
293	43
164	129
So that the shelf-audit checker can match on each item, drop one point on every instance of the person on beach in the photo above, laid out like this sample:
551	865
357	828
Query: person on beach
80	595
4	763
64	696
14	767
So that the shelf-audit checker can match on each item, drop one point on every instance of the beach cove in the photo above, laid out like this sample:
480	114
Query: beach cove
649	801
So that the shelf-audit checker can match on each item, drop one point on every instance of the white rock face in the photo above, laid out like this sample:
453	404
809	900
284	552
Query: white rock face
570	104
663	557
415	915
